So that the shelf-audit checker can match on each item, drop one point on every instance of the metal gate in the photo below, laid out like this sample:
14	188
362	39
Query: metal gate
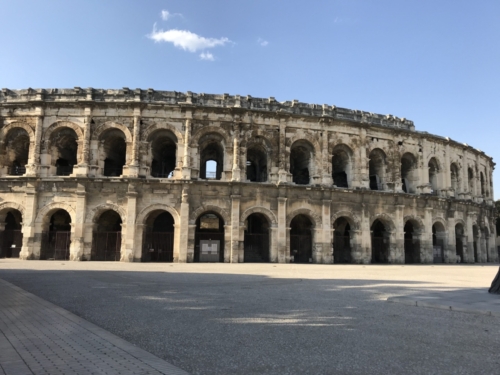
106	246
438	251
256	247
55	245
301	248
341	249
11	242
203	236
158	247
412	251
379	250
459	250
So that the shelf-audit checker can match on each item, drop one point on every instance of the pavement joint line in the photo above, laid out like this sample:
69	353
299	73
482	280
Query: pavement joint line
47	341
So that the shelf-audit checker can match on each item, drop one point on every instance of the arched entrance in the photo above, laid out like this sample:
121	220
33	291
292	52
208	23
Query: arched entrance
438	242
342	241
459	242
301	239
301	160
158	243
107	237
380	242
11	237
412	243
209	238
57	237
256	241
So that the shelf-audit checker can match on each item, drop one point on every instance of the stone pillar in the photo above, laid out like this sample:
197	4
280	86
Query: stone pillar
426	247
317	240
133	168
128	230
365	241
81	170
32	168
470	239
191	242
76	249
283	254
283	171
31	240
450	253
327	232
139	240
273	246
181	251
236	172
363	178
235	228
186	161
327	179
398	252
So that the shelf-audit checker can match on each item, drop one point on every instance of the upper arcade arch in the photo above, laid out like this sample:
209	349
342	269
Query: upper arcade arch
377	165
302	161
47	135
99	130
342	165
155	127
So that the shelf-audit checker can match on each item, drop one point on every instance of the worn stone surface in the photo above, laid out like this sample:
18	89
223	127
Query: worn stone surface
370	188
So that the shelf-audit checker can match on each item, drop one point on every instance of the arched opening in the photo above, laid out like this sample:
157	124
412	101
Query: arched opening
342	241
256	164
470	174
486	239
163	152
377	166
301	239
412	243
433	175
301	156
211	160
438	242
11	237
475	242
455	177
380	242
158	243
209	238
114	148
107	237
256	241
341	166
56	237
481	179
409	173
17	144
459	242
63	150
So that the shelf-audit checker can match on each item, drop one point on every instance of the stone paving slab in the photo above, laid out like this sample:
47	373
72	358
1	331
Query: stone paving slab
38	337
470	301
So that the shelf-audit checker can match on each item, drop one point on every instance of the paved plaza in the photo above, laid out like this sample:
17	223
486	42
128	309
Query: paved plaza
248	318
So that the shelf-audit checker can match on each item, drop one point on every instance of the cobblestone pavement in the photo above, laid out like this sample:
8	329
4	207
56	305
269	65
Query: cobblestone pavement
278	318
37	337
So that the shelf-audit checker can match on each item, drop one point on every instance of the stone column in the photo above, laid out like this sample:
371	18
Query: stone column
31	239
363	179
181	252
133	168
327	179
273	246
426	247
81	170
327	232
76	249
470	238
365	241
283	171
398	252
283	255
139	240
186	160
235	228
32	168
450	253
236	172
128	230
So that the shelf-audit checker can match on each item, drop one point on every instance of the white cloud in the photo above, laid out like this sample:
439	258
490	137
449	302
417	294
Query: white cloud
186	40
262	42
207	56
165	15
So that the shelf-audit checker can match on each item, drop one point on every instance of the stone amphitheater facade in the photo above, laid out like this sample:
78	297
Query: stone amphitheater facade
145	175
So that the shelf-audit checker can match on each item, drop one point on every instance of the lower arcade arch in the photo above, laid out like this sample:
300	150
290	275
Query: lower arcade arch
301	241
412	242
107	237
380	242
56	236
158	237
11	236
438	241
256	243
342	241
209	238
460	239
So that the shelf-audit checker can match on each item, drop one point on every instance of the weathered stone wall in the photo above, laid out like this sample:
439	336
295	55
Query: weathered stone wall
320	161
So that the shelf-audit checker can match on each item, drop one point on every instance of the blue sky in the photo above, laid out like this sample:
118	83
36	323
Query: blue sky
434	62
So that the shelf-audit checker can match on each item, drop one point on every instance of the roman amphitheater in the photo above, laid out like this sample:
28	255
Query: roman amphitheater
163	176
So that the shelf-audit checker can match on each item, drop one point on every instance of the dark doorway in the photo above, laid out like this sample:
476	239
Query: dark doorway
209	238
64	148
438	235
256	165
300	162
56	241
301	239
475	235
380	243
107	239
158	244
459	243
340	167
342	241
412	244
11	238
115	149
256	242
